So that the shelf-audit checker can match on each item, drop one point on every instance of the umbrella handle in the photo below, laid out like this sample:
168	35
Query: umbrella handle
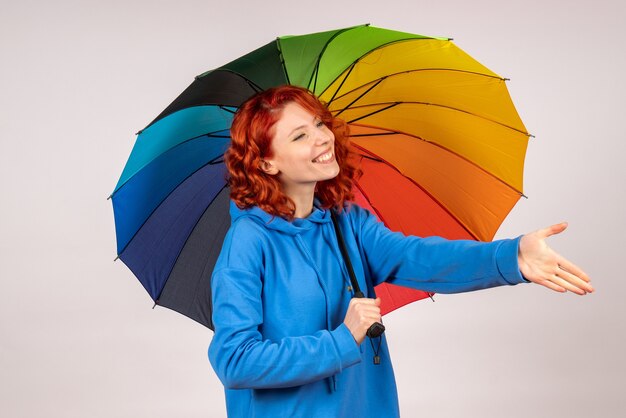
376	330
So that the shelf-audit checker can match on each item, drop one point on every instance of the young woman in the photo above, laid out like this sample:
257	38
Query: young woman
290	339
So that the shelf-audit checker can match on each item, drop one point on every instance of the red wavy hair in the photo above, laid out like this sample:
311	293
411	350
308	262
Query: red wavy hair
251	133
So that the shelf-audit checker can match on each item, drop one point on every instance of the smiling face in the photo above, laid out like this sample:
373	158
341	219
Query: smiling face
303	151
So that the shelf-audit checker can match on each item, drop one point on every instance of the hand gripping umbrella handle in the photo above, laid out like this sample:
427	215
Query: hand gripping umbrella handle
376	329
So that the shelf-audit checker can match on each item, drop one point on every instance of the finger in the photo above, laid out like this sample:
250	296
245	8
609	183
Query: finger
567	285
368	312
365	301
371	319
369	308
361	303
552	286
574	280
553	229
365	306
570	267
369	316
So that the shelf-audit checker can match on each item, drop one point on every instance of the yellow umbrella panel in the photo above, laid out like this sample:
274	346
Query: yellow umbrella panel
430	111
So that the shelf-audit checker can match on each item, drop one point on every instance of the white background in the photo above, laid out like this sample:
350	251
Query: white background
78	337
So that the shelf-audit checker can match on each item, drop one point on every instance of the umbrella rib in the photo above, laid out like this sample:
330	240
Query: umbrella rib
372	113
443	148
373	86
183	247
341	84
379	80
415	70
210	134
321	53
375	134
282	60
384	45
456	109
316	72
358	186
439	203
251	83
159	205
226	109
376	82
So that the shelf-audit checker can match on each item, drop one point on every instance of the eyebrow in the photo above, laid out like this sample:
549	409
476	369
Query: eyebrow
303	126
296	128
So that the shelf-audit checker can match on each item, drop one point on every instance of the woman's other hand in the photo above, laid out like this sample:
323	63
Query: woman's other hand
540	264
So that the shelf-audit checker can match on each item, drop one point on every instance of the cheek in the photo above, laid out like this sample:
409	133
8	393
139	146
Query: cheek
331	134
296	158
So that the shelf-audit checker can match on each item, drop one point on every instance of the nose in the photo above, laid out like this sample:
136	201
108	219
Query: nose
324	136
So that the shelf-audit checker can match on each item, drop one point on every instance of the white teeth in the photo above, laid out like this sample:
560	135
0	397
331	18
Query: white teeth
323	158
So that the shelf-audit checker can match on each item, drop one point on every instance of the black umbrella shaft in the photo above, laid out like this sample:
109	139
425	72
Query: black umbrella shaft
376	329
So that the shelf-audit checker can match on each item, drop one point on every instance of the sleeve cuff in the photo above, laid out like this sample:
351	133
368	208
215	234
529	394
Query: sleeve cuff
506	260
347	348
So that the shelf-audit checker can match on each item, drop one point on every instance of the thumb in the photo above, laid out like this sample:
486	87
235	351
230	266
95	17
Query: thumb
553	229
377	301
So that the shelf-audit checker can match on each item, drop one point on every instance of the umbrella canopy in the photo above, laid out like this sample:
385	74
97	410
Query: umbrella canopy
440	142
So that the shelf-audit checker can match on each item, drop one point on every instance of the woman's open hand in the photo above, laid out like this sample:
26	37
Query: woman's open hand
540	264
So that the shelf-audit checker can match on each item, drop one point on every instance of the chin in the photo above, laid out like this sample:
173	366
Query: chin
333	174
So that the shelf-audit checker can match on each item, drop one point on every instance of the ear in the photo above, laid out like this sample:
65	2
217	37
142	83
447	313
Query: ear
268	167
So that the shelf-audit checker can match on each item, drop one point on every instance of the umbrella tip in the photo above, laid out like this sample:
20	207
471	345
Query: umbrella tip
116	258
523	195
139	132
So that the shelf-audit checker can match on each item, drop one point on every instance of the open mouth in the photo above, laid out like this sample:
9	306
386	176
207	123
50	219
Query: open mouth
327	157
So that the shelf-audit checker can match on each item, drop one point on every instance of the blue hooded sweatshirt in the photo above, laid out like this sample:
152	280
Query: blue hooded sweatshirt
280	294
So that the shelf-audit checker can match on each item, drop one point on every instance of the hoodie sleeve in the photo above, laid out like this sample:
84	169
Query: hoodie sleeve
239	354
434	264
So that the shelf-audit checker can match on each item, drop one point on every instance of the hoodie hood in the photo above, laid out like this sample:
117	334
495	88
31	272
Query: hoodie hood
297	226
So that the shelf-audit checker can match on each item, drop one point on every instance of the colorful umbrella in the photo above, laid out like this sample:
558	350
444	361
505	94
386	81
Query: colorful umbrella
440	142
